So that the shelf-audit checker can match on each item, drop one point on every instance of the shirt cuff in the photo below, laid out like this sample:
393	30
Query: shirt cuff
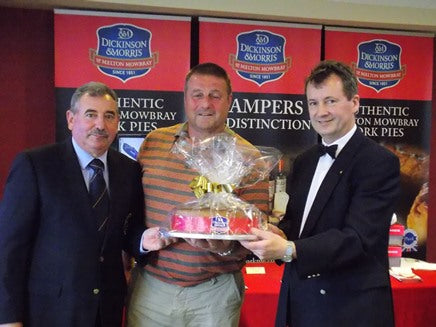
141	249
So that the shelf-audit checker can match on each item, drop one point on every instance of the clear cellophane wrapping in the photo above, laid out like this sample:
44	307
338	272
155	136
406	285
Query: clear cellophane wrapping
224	165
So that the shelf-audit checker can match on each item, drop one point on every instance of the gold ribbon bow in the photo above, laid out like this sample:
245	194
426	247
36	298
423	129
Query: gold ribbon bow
200	185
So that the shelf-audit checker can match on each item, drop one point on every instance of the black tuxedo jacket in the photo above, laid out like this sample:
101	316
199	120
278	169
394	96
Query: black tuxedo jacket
340	276
54	271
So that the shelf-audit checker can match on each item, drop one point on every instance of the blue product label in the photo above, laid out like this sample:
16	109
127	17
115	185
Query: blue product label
219	225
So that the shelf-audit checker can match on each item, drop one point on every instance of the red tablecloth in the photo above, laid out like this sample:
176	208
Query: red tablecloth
261	295
414	303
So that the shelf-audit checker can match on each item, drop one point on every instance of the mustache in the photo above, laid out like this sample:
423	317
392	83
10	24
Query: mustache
99	132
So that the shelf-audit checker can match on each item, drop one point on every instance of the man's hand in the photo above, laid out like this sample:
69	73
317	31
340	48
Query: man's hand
12	324
270	245
276	230
153	240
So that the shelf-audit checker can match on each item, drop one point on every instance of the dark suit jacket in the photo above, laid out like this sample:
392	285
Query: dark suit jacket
340	276
53	269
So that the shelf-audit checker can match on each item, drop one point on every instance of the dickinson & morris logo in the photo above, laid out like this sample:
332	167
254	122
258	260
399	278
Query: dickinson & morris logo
379	64
123	51
260	56
219	225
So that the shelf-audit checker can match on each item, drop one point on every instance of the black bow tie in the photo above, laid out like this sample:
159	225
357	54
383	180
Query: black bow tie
331	150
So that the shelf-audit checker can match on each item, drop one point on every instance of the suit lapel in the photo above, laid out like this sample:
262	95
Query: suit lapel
333	176
115	186
77	187
302	186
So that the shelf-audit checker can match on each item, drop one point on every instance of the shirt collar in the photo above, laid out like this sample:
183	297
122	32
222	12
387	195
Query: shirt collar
84	157
343	140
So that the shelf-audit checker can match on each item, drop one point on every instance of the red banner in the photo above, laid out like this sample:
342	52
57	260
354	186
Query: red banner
389	65
394	71
125	51
261	57
267	63
144	58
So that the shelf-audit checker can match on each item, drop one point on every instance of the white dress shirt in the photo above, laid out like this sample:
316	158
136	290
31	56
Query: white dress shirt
324	164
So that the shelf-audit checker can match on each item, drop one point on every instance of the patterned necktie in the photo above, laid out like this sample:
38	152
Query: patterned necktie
330	150
98	193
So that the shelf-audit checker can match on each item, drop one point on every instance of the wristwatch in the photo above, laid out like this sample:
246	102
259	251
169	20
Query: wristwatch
288	252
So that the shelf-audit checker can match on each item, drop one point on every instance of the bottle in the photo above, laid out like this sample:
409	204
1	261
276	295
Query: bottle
280	179
271	190
281	198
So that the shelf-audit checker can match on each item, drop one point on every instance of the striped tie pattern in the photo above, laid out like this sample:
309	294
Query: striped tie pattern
98	193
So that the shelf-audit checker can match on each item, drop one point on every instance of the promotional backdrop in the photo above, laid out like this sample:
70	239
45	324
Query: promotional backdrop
144	58
267	63
394	72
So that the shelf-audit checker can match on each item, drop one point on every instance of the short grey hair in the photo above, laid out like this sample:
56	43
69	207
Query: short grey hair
93	89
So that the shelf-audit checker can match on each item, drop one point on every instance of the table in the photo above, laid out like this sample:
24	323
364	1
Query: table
414	303
261	295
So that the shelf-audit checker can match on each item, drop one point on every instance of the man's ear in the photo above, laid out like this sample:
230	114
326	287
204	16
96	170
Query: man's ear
70	119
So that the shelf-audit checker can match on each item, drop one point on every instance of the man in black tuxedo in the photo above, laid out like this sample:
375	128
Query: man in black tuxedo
60	249
337	221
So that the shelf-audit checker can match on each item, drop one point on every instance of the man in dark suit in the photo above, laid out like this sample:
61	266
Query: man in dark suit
337	220
60	250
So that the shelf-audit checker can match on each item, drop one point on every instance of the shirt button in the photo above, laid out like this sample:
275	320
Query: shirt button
95	291
323	292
